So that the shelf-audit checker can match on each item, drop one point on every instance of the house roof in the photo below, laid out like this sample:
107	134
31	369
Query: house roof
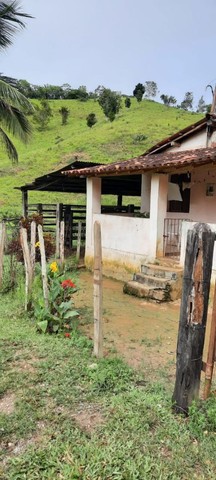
208	120
56	182
165	162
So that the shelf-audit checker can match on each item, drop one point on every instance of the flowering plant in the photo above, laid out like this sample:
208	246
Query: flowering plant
61	313
68	284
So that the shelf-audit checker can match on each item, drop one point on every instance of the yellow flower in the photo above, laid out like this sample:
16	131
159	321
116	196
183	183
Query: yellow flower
54	267
37	244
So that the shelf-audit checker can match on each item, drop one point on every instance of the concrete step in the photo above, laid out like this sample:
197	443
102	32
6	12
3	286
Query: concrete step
161	271
152	281
143	291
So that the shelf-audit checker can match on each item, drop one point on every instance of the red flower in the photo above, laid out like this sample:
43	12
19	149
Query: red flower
67	335
68	284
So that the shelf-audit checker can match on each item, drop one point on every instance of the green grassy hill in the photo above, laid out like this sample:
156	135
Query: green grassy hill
105	142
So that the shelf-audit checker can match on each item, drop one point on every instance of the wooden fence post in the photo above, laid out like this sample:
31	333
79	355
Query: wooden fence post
59	213
43	266
193	315
98	317
61	243
33	241
79	238
2	245
28	268
211	358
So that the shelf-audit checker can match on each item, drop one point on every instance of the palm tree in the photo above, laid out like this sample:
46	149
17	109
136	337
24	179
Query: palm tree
13	104
10	21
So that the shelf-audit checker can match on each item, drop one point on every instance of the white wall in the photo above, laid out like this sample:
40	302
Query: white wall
202	207
124	239
198	140
188	226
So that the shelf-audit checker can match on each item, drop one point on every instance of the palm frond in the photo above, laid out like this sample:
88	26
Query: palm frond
10	21
15	121
12	95
9	146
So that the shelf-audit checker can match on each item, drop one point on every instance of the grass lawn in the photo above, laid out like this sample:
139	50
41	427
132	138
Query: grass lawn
66	415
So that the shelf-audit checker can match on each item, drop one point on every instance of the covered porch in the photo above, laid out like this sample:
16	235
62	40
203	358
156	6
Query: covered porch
174	187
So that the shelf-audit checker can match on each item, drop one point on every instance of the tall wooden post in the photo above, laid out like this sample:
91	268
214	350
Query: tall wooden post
98	318
211	355
33	240
25	203
193	315
43	266
62	242
2	244
59	215
28	268
79	238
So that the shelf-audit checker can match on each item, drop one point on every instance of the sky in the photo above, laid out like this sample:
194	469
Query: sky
117	43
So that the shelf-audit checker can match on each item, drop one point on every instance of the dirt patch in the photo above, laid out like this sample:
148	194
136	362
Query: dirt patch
88	417
144	333
24	365
17	448
7	403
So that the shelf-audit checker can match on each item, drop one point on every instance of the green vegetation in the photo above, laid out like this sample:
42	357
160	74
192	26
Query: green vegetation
65	415
91	120
13	105
42	115
139	91
106	142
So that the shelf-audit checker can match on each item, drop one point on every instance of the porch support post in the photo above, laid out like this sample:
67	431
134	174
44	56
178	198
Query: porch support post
145	193
93	206
25	203
158	211
119	201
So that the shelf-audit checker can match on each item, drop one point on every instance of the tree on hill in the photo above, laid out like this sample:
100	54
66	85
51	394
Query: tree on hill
25	88
187	103
13	104
168	100
127	102
42	114
151	89
139	91
91	120
110	103
64	112
201	107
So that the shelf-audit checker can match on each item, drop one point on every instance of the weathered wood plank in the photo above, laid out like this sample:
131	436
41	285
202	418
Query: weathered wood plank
43	266
61	242
33	241
193	315
2	246
98	292
209	367
28	268
79	238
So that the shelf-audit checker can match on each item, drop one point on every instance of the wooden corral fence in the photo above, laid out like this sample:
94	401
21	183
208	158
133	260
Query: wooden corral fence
53	215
